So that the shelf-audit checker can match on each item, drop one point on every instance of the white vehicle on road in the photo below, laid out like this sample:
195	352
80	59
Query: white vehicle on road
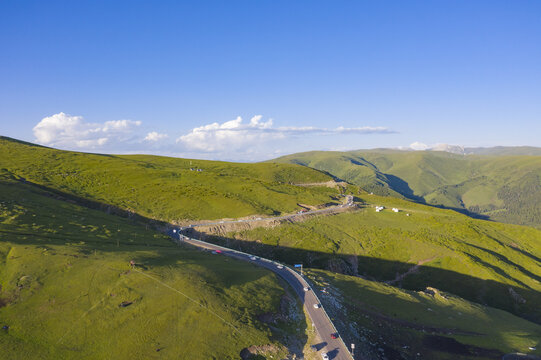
306	288
317	306
253	258
280	266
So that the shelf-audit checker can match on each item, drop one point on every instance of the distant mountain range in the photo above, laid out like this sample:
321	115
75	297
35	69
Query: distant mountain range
498	183
461	150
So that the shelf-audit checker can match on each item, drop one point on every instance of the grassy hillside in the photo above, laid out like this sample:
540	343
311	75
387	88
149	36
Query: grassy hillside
503	188
399	324
486	262
164	188
65	273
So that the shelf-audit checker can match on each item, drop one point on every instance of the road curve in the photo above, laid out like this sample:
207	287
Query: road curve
335	348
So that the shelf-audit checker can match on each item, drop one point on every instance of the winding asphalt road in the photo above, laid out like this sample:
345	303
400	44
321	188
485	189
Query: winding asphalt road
335	348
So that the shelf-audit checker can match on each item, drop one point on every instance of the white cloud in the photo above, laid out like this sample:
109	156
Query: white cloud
155	136
91	143
73	132
418	146
119	125
230	135
234	134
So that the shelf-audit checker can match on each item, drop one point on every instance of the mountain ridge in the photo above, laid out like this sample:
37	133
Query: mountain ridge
498	187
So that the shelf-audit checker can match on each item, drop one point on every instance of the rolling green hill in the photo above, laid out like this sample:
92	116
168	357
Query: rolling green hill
67	290
486	262
167	189
498	186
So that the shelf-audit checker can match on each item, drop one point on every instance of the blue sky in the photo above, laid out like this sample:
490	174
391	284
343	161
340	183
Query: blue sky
251	80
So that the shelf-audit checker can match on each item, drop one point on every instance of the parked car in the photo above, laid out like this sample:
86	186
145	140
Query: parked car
280	266
253	258
317	306
306	288
324	356
334	336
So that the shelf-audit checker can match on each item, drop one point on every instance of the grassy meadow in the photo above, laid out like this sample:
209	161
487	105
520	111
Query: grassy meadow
167	189
475	259
65	276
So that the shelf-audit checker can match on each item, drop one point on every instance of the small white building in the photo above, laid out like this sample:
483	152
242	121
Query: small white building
395	210
379	208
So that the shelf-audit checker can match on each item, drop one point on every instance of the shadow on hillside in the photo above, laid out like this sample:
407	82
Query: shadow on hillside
149	256
91	204
521	301
402	187
463	211
483	291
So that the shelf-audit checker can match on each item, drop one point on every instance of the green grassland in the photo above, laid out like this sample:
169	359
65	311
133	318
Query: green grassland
64	268
434	324
64	272
167	188
475	259
505	188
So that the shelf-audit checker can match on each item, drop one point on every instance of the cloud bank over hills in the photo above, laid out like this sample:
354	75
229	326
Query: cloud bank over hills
236	134
235	139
